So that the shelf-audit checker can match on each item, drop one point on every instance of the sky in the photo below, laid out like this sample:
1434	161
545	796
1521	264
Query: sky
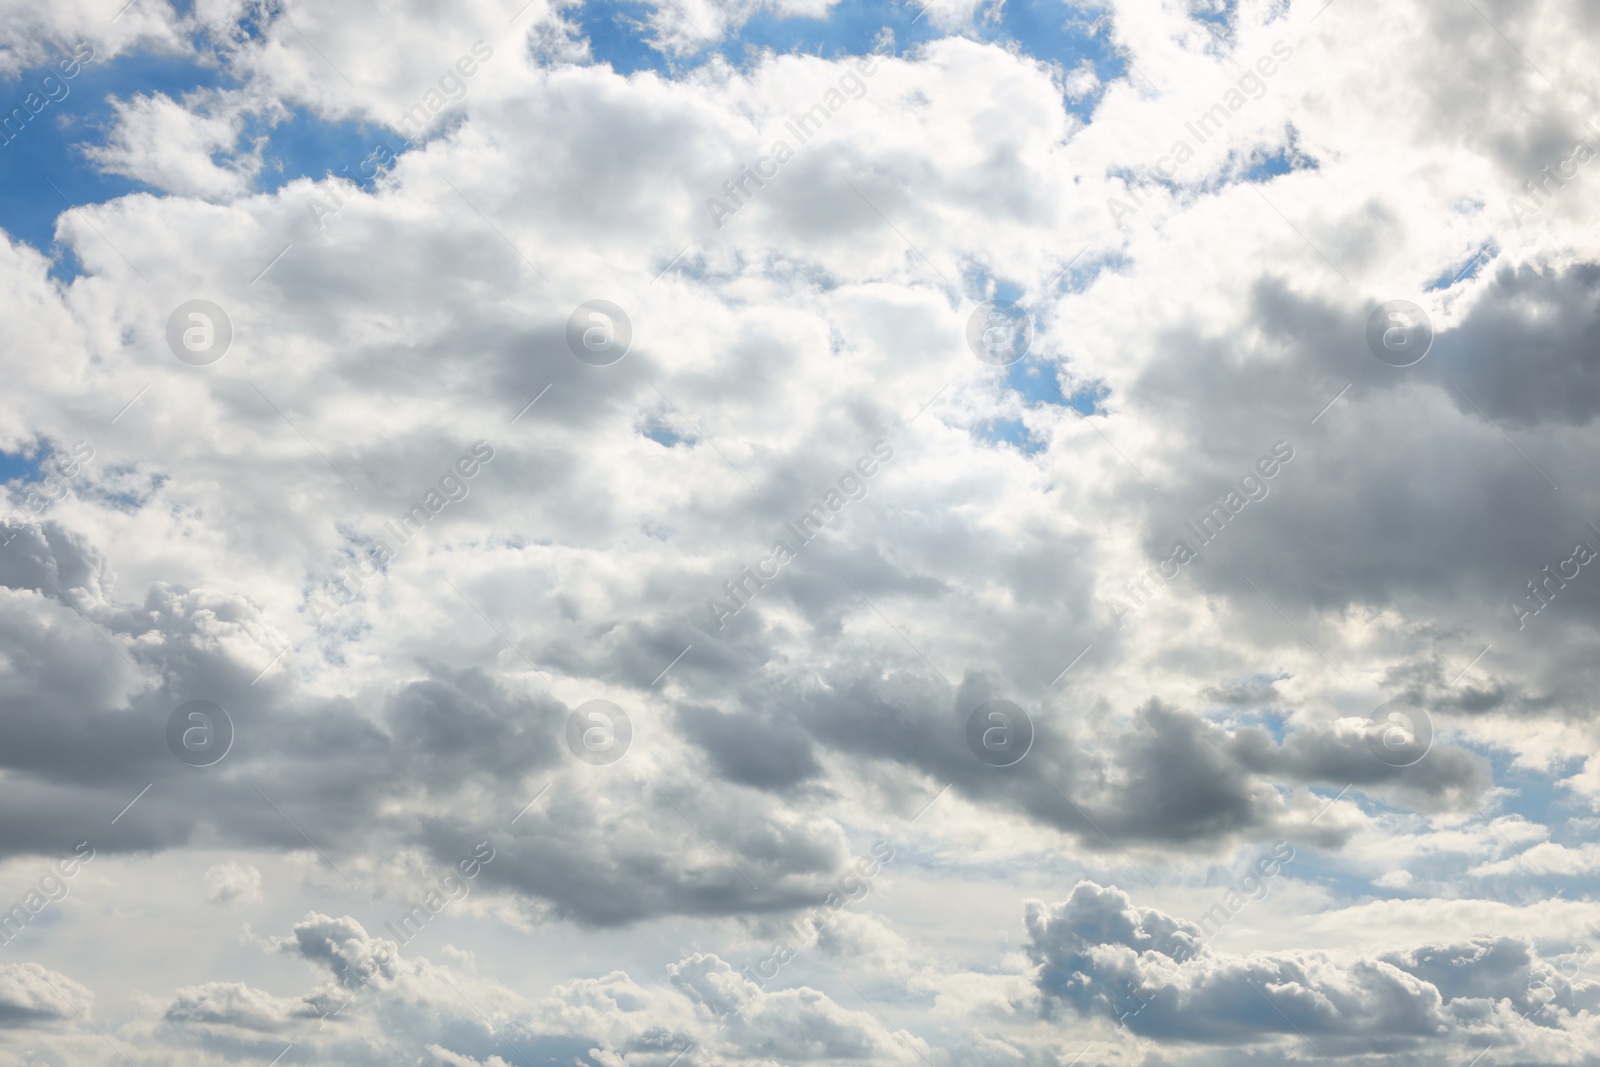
750	533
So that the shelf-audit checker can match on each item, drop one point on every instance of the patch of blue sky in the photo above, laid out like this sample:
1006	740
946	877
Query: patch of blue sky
42	165
1086	399
1331	870
1219	16
1049	30
663	436
1271	166
1036	380
1079	273
1284	159
618	34
20	467
1275	723
304	146
46	172
1533	794
1466	270
1012	432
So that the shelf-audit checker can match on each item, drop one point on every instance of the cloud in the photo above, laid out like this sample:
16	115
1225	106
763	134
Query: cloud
377	744
31	994
1102	955
230	883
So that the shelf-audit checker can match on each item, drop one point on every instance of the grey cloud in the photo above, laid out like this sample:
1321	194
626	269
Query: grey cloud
32	994
1102	955
1528	352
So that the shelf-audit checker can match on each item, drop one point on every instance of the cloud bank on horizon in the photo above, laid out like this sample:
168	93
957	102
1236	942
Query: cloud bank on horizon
717	532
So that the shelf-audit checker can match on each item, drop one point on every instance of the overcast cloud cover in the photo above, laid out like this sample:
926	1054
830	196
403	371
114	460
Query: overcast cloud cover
776	532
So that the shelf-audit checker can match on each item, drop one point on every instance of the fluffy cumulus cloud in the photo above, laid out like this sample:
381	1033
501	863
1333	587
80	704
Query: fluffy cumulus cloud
742	533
